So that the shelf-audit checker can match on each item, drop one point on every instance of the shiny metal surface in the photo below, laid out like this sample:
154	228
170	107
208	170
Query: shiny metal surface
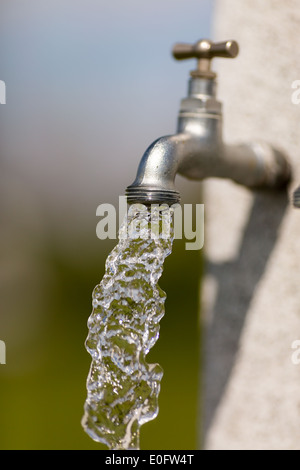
197	151
205	50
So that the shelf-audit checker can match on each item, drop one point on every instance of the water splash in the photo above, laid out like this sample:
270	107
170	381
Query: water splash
128	305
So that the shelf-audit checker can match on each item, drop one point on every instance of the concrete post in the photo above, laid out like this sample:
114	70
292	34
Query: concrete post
251	294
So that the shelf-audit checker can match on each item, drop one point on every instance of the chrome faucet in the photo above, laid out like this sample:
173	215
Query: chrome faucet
197	151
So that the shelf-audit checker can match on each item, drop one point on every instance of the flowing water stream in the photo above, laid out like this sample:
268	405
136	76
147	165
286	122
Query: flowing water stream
128	305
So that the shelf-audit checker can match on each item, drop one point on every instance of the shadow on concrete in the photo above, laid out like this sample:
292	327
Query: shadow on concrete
237	281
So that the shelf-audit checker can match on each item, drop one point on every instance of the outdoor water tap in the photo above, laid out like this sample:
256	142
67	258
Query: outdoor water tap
197	151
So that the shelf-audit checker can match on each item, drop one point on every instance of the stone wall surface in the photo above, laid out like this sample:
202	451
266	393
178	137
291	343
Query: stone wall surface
251	294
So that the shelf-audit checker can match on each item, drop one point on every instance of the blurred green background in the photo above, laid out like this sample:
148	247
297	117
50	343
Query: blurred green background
90	84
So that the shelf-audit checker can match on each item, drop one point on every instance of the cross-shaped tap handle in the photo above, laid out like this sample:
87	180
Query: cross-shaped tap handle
205	50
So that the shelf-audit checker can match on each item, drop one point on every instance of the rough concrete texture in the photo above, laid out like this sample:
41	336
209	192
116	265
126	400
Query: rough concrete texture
251	294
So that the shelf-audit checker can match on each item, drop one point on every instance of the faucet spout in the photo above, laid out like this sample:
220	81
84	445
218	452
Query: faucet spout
156	173
158	168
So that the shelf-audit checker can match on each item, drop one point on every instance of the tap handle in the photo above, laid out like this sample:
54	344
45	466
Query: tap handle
205	50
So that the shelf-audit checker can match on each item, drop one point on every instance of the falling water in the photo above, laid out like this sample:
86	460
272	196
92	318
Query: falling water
128	305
